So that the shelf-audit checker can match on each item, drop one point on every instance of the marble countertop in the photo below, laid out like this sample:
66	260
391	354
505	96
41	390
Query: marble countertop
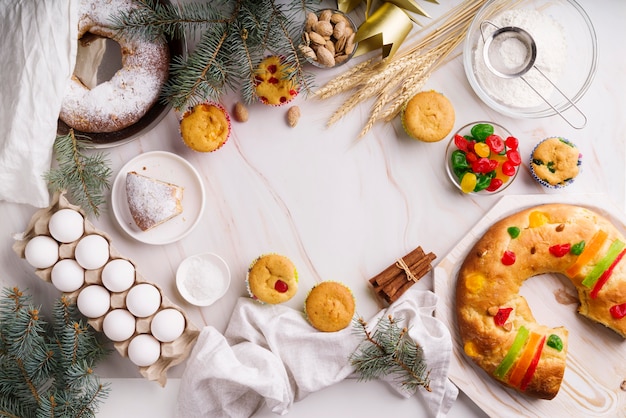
341	208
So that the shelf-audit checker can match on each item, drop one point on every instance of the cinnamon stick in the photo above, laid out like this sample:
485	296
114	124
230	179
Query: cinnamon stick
393	270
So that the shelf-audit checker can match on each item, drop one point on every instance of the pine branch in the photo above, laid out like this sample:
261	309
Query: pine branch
85	177
389	351
234	36
47	370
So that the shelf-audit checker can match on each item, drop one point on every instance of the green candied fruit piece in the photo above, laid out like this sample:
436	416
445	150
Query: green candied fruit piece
513	231
555	342
481	131
551	167
537	161
511	355
577	248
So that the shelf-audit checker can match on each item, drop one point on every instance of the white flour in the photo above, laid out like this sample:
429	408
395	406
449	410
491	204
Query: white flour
551	58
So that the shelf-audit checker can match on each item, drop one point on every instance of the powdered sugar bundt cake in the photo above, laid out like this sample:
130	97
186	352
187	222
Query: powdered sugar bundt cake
131	92
496	325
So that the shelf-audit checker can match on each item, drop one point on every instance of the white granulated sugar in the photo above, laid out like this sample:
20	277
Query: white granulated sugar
204	280
551	59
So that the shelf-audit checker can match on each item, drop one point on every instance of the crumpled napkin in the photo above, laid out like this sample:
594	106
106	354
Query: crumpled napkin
270	355
38	45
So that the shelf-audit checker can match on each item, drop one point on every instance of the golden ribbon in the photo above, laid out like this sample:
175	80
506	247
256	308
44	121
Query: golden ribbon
386	28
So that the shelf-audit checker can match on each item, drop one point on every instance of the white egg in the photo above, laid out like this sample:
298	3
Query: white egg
167	325
143	300
67	275
144	350
93	301
92	252
66	225
41	252
118	275
119	325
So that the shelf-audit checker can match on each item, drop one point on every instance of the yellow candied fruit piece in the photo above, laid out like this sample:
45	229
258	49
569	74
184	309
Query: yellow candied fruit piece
474	282
468	182
470	349
538	218
482	150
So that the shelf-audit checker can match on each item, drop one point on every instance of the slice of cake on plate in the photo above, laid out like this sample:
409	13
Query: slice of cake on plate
151	201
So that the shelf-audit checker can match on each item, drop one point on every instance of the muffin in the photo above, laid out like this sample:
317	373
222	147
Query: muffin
555	162
272	278
205	127
329	306
273	84
428	116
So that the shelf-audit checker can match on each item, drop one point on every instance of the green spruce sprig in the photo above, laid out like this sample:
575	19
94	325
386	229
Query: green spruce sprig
84	176
389	351
47	369
234	36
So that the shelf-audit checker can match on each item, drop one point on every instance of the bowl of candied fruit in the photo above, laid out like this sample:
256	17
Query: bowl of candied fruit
482	158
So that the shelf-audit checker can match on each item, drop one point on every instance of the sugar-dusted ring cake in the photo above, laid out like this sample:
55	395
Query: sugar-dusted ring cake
133	89
496	325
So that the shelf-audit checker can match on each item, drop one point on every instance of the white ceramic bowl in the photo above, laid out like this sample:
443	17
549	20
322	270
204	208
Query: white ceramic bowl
202	279
577	60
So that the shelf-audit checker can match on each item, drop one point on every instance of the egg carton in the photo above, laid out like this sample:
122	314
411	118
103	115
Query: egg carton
171	353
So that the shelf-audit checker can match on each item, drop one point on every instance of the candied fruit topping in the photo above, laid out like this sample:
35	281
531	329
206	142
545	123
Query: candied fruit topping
474	282
538	218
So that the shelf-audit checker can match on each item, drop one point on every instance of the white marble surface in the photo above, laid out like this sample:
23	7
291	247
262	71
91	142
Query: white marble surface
340	208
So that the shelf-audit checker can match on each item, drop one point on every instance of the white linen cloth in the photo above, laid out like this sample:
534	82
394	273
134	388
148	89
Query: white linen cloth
38	45
270	355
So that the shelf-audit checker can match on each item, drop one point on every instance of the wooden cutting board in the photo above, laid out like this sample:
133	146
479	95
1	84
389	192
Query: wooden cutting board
596	360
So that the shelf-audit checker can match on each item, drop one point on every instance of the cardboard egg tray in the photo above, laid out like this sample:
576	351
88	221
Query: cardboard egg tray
172	353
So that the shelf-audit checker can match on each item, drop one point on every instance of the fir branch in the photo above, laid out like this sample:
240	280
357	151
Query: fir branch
388	350
38	381
85	177
234	36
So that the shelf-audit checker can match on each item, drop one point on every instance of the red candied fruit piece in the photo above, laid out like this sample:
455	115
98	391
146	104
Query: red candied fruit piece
264	99
508	258
461	143
272	68
508	169
502	315
482	165
559	250
511	143
281	286
494	184
293	92
273	80
618	311
495	143
283	99
514	157
471	157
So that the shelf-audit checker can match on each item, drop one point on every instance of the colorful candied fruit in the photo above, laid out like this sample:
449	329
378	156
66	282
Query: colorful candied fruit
483	161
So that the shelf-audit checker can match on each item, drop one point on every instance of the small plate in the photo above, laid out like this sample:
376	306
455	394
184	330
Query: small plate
202	279
171	168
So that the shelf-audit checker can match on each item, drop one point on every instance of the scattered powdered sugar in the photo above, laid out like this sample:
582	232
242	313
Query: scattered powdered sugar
551	58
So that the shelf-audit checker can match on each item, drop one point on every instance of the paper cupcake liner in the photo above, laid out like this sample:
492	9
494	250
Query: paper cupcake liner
545	183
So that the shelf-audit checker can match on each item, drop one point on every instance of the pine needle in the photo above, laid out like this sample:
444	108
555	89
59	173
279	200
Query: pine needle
85	177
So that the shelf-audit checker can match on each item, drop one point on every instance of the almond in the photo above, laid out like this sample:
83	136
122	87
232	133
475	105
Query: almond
325	57
240	113
293	115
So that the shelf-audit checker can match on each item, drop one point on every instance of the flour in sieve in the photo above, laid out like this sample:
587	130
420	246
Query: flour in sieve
551	59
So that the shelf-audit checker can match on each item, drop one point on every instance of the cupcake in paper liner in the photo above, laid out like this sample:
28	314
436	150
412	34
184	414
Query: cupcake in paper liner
205	127
273	85
555	162
329	306
272	278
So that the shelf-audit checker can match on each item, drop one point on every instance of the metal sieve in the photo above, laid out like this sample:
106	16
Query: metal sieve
510	52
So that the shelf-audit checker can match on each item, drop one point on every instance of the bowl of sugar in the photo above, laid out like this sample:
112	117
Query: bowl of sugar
541	74
202	279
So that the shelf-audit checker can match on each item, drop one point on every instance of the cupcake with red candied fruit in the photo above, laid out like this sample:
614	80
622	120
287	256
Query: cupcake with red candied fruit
329	306
555	162
273	82
205	127
272	278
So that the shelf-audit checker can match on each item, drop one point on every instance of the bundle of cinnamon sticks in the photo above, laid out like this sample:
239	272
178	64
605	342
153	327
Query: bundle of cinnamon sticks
396	279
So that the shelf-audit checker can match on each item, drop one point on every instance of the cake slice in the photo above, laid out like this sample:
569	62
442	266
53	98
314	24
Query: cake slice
151	201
